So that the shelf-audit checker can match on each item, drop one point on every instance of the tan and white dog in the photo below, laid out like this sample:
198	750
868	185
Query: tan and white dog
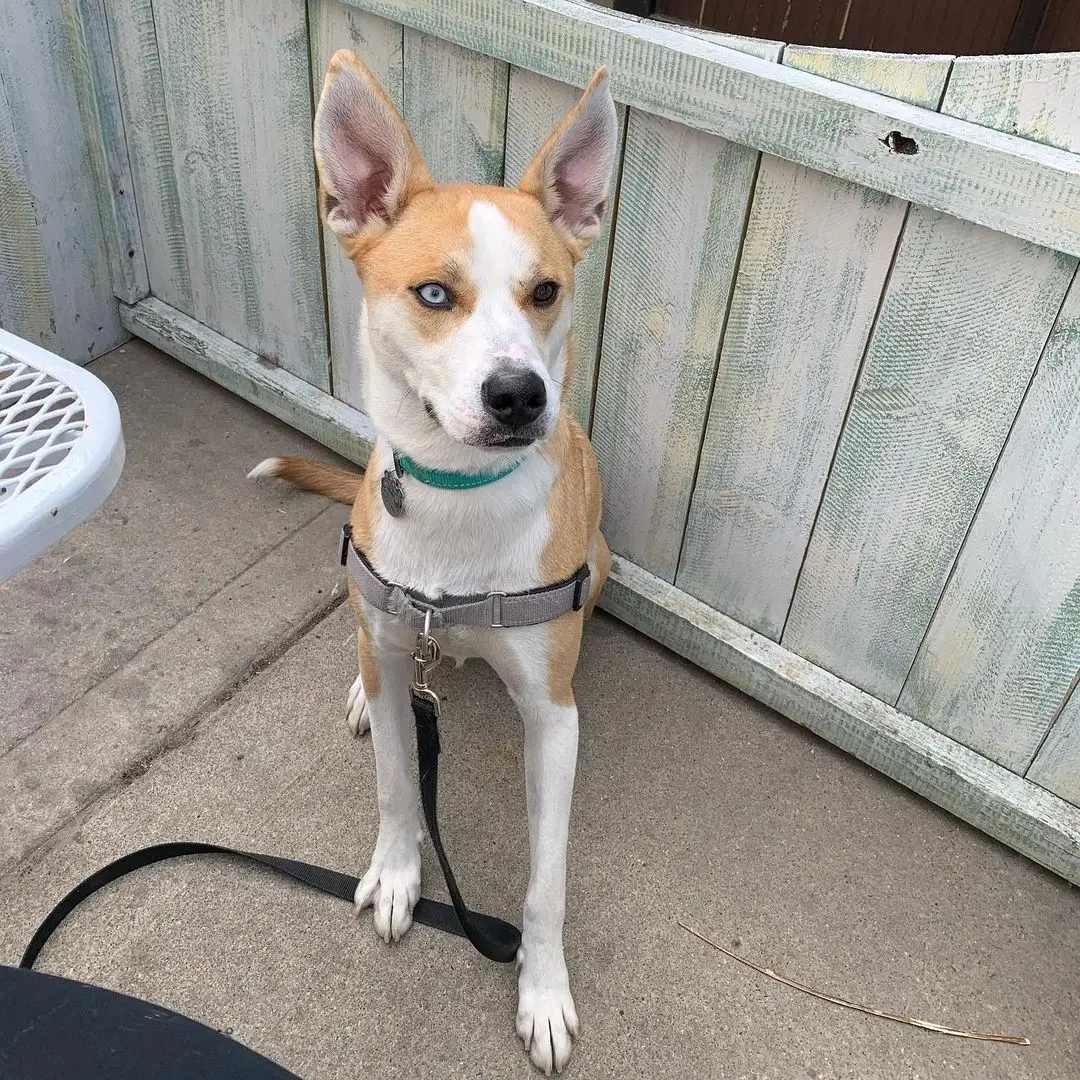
464	334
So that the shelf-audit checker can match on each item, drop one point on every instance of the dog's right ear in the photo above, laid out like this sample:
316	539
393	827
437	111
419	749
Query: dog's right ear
369	166
572	172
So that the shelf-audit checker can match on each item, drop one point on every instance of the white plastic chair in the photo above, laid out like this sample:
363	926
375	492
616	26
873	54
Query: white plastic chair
61	449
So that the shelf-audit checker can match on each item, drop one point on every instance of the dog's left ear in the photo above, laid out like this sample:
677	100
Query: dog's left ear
571	174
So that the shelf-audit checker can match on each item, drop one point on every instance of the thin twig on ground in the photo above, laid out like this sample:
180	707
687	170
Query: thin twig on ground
985	1036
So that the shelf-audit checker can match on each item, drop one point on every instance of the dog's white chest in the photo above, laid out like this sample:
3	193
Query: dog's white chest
467	542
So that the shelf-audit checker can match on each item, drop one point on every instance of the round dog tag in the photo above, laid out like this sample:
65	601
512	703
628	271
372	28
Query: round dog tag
393	495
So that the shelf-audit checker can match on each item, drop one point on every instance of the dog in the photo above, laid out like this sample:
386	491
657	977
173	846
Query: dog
481	481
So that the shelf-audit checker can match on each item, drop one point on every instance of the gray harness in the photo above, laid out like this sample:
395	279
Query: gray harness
487	610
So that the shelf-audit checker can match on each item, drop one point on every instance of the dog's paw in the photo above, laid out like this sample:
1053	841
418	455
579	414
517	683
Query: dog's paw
391	887
547	1024
356	709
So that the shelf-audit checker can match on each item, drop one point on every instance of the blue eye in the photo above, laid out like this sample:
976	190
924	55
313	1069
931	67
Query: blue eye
432	294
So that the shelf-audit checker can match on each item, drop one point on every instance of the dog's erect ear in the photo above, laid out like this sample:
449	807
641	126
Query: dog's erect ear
369	166
572	172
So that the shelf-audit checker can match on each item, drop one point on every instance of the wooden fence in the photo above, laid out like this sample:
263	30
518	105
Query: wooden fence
829	343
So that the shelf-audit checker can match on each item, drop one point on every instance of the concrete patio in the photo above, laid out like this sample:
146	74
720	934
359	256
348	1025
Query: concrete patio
177	669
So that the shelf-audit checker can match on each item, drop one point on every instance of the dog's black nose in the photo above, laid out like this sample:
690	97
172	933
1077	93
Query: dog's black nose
514	398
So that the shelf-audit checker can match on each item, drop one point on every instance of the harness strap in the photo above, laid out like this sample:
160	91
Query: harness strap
494	609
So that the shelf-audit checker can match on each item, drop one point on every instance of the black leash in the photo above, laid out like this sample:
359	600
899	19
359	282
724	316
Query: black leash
494	938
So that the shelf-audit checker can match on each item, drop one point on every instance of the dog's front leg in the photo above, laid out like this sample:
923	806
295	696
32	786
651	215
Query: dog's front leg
546	1017
392	883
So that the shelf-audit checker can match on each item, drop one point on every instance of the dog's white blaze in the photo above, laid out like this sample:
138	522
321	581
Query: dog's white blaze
499	260
500	257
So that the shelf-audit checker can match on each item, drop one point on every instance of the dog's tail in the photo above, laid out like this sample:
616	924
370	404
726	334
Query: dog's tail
337	484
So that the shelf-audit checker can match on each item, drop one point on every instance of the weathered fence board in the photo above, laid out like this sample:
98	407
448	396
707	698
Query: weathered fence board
675	249
535	106
759	47
1057	765
918	80
137	61
455	103
961	327
1037	97
815	259
948	365
99	103
25	296
1004	645
55	284
334	25
682	208
988	177
238	97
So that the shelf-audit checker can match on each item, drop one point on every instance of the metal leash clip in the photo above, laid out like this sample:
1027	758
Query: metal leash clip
426	656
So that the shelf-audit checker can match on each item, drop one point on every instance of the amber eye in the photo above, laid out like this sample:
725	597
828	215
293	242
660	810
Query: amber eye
545	293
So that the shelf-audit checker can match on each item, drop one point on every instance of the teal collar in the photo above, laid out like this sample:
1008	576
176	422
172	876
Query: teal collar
449	481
